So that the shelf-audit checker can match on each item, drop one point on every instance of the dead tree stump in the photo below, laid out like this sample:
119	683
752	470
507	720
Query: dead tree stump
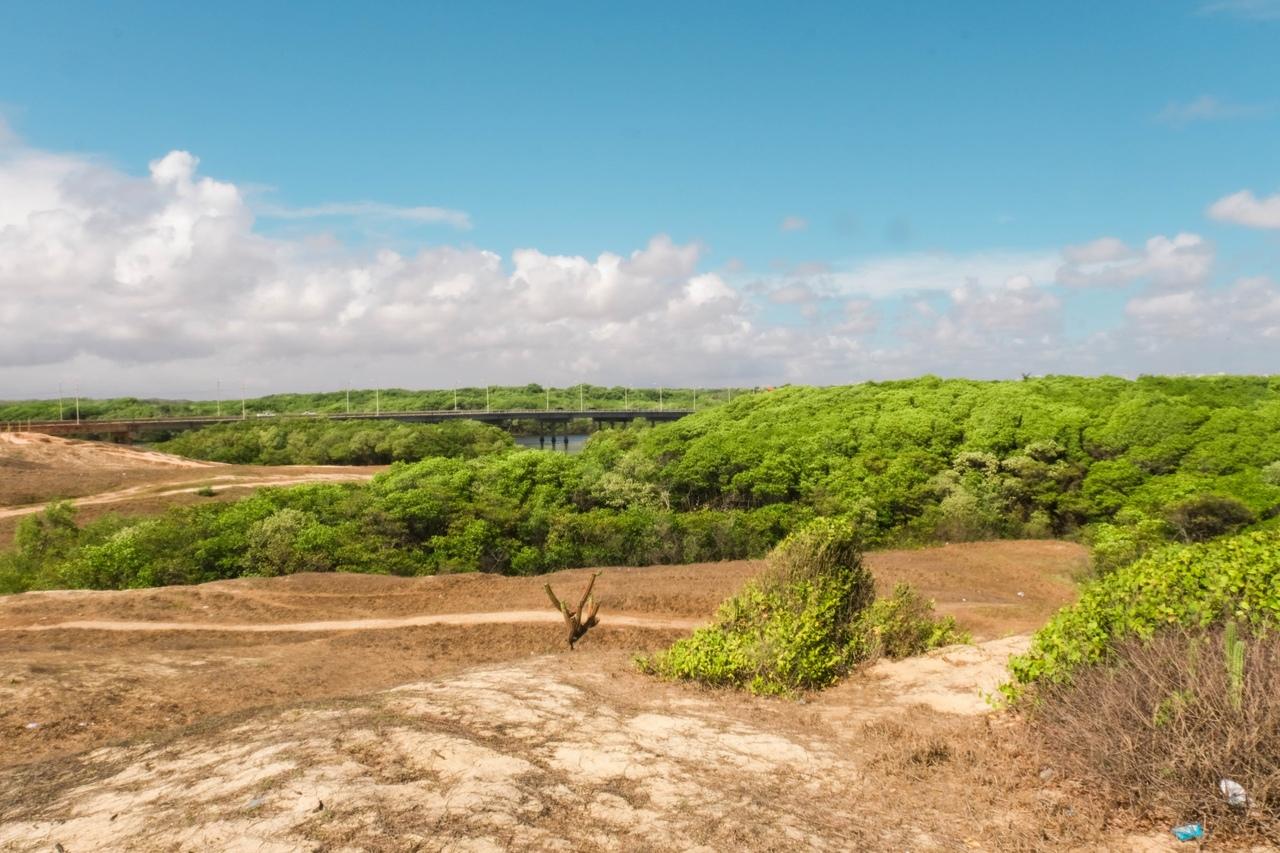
573	619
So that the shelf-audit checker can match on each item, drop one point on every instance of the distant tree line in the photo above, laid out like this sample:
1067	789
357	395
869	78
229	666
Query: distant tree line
473	398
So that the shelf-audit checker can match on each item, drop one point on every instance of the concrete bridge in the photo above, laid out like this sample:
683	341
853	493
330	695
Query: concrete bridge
551	418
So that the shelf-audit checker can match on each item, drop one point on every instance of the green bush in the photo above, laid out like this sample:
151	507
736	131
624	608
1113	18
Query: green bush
804	622
903	625
1206	516
1192	586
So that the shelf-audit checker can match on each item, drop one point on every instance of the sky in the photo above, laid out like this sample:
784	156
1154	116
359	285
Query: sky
306	196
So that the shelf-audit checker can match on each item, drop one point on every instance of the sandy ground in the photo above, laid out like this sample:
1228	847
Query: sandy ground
230	646
446	714
351	712
442	714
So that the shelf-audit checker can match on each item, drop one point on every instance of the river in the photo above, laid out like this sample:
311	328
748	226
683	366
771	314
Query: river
576	440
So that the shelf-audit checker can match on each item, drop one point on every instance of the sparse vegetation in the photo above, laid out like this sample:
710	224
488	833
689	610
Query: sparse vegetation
1167	718
808	619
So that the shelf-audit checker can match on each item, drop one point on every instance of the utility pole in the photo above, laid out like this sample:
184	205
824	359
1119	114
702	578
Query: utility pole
695	399
581	406
244	412
659	398
455	399
377	401
486	398
77	402
548	390
348	398
626	398
218	398
59	401
730	390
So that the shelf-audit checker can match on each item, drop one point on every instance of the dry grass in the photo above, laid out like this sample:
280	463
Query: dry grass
1157	730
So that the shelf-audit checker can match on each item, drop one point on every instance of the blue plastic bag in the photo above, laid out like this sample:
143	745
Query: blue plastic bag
1188	832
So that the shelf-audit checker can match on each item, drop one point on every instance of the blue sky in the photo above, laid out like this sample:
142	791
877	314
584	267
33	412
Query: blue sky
794	145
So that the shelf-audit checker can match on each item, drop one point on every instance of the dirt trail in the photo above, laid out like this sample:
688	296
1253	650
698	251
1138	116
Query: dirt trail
498	617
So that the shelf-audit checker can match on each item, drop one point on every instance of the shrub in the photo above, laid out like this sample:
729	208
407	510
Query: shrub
904	624
1167	718
1193	586
1203	517
805	622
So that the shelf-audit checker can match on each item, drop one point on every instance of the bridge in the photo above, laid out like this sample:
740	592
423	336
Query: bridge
126	429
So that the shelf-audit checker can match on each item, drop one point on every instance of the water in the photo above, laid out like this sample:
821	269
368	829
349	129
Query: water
576	440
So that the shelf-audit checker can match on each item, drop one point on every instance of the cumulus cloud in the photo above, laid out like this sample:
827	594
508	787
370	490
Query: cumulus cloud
1207	108
1249	309
1180	261
793	223
1244	208
100	266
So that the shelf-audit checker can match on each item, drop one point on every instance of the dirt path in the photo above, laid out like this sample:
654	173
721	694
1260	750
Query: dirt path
493	618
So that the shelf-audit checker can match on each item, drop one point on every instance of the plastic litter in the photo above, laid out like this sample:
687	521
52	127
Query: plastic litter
1234	792
33	725
1188	832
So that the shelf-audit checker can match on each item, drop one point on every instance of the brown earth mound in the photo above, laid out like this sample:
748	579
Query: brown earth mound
102	477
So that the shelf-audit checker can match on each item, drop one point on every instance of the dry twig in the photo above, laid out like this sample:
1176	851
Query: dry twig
573	620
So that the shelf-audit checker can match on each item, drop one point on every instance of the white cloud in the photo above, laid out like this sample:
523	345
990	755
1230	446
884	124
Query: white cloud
1183	260
372	209
1244	208
1207	108
1248	309
793	223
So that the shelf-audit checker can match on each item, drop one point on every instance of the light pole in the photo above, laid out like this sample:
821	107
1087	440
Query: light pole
626	399
244	412
659	398
218	398
77	402
581	406
455	399
348	398
486	398
695	399
377	402
548	390
59	401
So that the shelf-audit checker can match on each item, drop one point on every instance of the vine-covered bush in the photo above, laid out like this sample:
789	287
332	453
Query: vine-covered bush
1190	586
804	622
